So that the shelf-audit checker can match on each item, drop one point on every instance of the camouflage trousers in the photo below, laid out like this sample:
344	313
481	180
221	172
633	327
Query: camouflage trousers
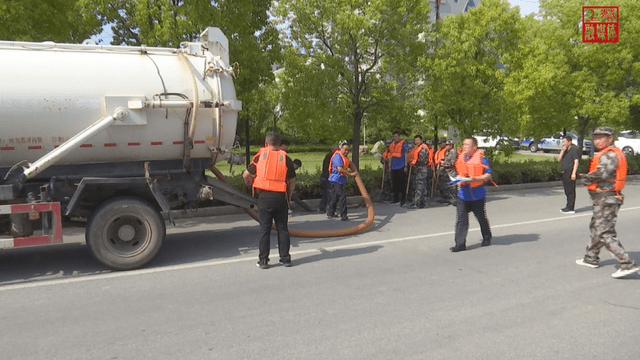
421	184
603	233
445	191
387	188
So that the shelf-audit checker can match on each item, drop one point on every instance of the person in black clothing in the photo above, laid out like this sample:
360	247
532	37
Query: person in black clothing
324	179
570	158
272	204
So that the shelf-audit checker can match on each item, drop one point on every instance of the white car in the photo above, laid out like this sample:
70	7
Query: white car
485	142
629	142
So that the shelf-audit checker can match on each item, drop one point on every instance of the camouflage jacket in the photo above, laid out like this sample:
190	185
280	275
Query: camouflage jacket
423	158
449	161
604	175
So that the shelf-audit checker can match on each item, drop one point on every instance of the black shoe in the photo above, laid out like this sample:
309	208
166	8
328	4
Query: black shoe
345	219
331	216
285	263
401	204
263	264
394	202
412	206
486	242
458	248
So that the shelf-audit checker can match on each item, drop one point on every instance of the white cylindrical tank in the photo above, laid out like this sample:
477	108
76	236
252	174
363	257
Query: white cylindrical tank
51	92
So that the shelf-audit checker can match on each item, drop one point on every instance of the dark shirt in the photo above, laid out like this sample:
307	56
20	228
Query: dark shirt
325	165
569	156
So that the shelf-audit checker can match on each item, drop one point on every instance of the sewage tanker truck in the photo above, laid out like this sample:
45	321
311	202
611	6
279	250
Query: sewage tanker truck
115	139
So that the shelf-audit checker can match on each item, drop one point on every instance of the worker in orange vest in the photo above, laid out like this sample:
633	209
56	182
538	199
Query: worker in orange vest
446	164
606	178
339	169
421	163
270	174
474	167
387	191
398	149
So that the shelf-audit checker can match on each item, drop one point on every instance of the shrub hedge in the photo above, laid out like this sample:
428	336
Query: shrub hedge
504	172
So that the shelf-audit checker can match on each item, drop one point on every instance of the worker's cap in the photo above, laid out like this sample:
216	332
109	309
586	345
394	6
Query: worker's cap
343	142
388	142
603	130
429	142
442	140
449	142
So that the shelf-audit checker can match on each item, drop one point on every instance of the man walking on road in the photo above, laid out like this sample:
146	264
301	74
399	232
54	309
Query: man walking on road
271	174
570	158
606	178
473	166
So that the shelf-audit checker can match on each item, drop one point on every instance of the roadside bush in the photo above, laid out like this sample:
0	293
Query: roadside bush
504	173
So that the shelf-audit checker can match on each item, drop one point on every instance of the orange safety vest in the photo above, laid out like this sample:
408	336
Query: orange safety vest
271	170
415	152
473	167
386	154
345	162
440	155
621	171
396	149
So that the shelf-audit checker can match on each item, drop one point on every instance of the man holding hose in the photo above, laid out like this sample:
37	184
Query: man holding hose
339	169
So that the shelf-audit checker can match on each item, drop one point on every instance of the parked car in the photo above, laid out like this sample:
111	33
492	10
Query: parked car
487	141
554	143
629	142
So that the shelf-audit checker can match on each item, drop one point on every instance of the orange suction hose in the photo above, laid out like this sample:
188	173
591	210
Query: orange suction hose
321	233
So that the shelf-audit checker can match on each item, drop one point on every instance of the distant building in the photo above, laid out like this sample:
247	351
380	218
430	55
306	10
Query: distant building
451	7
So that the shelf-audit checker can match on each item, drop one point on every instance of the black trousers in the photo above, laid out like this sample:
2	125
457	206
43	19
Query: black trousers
338	200
569	189
272	206
399	183
462	219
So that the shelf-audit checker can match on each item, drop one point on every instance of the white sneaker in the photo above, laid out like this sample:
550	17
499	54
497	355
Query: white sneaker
567	211
622	273
583	263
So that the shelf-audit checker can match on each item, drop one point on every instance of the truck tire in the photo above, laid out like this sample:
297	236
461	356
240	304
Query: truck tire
533	147
125	233
627	150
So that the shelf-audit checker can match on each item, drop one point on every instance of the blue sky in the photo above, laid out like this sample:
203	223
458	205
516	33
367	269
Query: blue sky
526	6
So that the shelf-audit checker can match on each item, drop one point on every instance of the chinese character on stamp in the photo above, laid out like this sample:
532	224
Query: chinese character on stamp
600	24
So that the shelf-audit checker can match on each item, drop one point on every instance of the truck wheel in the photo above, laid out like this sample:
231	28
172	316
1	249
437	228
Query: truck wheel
533	147
125	233
627	150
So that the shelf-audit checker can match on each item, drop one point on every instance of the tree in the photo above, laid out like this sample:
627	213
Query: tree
69	21
347	60
565	83
466	71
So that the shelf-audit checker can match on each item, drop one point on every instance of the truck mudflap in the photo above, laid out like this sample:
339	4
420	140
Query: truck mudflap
50	215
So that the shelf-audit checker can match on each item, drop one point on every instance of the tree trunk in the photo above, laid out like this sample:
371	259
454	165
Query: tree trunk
357	122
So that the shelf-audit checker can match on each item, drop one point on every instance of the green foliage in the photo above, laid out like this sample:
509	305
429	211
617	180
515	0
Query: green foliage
69	21
504	172
349	62
467	70
561	82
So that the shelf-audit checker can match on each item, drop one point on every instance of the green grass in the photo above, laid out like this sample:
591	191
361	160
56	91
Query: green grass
312	161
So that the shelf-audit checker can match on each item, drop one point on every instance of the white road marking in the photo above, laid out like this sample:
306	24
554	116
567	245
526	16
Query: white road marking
112	275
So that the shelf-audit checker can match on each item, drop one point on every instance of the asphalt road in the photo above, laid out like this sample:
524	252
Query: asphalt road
394	292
